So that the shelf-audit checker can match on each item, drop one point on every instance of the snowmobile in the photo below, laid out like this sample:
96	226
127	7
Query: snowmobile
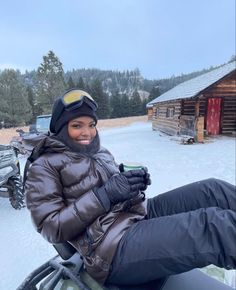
17	141
66	272
26	141
10	178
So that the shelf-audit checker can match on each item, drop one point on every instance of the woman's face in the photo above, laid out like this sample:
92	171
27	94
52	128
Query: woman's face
82	130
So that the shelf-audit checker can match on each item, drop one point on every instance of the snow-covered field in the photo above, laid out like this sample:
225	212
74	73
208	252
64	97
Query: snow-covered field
170	164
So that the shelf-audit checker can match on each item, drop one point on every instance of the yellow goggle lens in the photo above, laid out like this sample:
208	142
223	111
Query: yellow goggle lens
74	96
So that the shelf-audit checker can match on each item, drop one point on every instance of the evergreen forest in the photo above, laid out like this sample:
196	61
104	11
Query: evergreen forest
23	96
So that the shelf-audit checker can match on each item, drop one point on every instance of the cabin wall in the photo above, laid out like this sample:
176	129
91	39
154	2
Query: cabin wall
188	107
226	89
161	121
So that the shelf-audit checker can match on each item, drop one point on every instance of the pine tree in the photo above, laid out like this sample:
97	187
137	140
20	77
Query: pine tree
101	98
155	92
31	102
70	83
81	85
34	106
135	104
144	108
116	106
15	108
125	103
51	82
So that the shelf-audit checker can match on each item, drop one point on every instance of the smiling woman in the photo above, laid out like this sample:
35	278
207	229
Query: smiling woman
80	135
74	121
82	130
77	192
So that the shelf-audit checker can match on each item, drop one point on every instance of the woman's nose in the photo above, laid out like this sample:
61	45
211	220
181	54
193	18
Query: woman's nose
86	131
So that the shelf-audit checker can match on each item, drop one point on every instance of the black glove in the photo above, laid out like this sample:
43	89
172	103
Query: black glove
147	175
122	186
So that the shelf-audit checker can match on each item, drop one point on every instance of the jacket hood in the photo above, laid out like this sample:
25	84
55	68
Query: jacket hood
49	144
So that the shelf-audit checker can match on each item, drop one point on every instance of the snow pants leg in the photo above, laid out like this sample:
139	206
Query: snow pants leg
186	228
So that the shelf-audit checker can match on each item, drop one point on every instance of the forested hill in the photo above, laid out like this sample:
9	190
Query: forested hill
126	82
122	82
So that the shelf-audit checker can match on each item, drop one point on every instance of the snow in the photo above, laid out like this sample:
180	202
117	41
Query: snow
170	164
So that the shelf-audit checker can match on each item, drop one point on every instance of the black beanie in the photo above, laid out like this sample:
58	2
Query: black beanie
66	116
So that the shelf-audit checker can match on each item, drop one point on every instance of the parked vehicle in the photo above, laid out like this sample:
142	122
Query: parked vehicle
42	123
26	141
66	272
17	141
10	178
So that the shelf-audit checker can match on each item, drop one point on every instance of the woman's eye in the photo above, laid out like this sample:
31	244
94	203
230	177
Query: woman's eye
76	126
92	125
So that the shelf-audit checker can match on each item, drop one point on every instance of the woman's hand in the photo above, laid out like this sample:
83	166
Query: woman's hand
123	186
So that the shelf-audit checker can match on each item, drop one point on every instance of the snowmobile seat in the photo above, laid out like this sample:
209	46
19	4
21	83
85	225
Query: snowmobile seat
68	253
65	250
68	271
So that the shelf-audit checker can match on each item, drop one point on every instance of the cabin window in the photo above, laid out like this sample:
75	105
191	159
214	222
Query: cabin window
157	112
170	112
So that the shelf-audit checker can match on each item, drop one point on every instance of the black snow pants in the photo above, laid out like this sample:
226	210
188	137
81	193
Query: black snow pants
186	228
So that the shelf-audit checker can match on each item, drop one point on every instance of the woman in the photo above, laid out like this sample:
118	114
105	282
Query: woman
76	192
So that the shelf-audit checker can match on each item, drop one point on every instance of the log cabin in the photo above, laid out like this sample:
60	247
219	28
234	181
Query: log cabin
204	105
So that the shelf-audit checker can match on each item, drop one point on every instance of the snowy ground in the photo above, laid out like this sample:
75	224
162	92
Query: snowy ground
170	165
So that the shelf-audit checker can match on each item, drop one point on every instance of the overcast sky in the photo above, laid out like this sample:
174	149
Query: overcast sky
160	37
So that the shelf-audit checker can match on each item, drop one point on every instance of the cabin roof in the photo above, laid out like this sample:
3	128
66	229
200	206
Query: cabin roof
194	86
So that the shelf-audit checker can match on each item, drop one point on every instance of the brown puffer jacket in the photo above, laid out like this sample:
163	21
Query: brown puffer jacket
63	206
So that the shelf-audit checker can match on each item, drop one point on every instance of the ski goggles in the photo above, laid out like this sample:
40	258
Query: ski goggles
74	99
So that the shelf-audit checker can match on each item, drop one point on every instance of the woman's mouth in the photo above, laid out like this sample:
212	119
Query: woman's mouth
84	141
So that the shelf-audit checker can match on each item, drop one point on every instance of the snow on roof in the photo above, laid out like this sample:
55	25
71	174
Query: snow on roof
194	86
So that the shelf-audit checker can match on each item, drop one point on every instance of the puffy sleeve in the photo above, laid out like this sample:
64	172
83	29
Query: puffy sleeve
56	220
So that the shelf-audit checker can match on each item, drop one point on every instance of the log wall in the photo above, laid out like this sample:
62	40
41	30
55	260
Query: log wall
188	107
226	89
169	125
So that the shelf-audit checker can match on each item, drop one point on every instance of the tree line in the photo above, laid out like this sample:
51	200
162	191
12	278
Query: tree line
25	96
118	94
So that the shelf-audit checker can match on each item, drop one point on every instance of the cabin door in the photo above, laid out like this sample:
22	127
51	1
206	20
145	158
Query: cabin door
213	116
